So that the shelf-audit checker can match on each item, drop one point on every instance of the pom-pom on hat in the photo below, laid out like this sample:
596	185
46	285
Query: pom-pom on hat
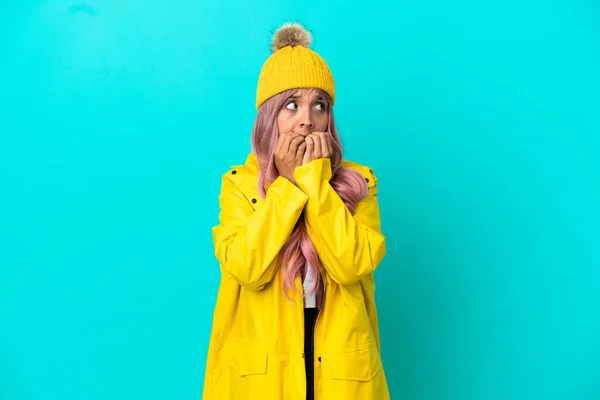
293	65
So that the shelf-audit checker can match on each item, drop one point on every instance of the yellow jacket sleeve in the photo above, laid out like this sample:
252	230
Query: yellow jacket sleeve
349	246
247	242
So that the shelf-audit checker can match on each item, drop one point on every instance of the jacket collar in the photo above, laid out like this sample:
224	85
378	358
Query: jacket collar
251	160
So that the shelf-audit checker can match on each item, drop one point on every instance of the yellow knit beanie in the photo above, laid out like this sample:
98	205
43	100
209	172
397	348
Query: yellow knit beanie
293	65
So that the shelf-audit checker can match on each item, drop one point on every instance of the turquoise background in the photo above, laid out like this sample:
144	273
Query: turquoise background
481	120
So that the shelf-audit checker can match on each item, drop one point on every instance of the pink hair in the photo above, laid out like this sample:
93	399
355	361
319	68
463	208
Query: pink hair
348	184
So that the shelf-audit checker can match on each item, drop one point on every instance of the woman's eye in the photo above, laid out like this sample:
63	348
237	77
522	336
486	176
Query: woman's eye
291	105
320	106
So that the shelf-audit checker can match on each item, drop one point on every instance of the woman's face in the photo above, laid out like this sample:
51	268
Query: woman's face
304	112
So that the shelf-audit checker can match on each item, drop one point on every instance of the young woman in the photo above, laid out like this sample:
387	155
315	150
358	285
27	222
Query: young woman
298	240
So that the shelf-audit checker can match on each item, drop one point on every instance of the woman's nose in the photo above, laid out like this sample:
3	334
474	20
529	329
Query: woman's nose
305	128
306	120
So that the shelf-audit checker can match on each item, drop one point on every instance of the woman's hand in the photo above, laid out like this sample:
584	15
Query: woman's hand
318	145
289	152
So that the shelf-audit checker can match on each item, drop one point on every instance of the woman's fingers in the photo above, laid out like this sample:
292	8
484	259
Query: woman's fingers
295	142
317	146
300	152
310	146
325	144
283	144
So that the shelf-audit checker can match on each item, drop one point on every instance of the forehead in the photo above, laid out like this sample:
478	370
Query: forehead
306	92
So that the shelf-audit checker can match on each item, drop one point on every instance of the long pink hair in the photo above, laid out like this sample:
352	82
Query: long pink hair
348	184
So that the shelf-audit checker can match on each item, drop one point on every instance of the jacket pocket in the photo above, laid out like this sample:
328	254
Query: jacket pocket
356	365
248	359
